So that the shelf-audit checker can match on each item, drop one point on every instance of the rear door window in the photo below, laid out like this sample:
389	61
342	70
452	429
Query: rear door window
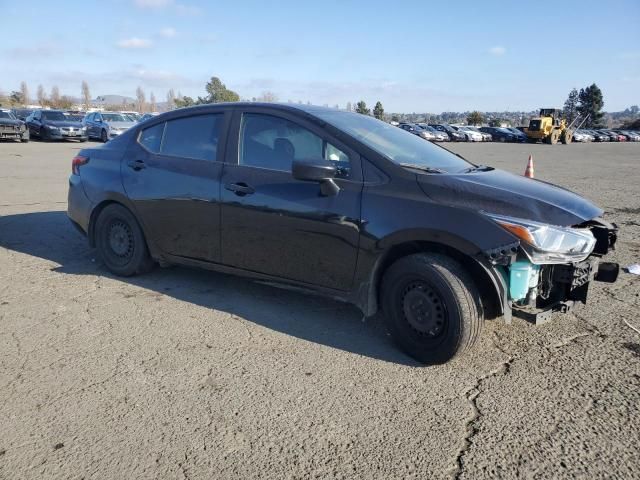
151	138
193	137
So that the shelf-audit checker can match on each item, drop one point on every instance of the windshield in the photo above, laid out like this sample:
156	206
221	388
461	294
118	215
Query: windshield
114	117
7	115
54	116
394	143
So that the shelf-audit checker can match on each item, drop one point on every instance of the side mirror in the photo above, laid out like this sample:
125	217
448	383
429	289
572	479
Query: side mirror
321	171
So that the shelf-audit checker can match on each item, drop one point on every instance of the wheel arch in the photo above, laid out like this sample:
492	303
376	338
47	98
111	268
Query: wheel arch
486	278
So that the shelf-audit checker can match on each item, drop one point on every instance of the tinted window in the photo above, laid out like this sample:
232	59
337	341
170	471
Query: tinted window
274	143
193	137
53	116
151	138
394	143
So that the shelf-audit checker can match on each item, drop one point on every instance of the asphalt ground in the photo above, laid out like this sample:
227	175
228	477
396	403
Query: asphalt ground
183	373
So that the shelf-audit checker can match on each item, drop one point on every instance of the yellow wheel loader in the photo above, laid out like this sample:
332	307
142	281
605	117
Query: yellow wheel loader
551	128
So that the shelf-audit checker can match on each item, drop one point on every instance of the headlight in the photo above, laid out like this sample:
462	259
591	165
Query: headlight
548	244
52	128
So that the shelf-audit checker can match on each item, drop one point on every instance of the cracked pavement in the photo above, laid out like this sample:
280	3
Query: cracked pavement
191	374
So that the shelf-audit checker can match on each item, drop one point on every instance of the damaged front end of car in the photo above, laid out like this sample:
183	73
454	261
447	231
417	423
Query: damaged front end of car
554	265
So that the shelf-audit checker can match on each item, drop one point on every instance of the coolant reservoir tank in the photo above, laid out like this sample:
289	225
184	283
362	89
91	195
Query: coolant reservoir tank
523	275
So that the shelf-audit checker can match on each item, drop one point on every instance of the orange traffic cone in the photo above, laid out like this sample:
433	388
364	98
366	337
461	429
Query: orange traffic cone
529	170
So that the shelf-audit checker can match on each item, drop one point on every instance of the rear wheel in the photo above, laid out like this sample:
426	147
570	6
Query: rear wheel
432	307
121	243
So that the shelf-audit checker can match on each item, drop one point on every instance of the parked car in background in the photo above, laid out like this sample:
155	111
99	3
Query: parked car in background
147	116
582	136
417	130
472	135
486	137
597	136
613	136
344	205
454	135
54	125
500	134
520	135
630	136
439	136
75	116
106	125
135	116
11	128
22	113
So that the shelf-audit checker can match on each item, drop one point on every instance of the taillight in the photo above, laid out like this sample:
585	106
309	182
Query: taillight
77	162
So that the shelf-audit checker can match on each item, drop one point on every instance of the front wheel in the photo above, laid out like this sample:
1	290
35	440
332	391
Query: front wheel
431	306
121	243
103	136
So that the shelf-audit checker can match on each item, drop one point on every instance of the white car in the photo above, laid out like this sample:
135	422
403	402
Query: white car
472	135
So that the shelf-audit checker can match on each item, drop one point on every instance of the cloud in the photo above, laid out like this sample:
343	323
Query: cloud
629	55
497	51
134	42
187	10
168	32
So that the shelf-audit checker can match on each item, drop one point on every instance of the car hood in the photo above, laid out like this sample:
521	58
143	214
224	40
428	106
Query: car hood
62	123
504	193
10	121
121	124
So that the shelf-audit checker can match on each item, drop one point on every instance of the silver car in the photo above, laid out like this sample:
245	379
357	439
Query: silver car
106	125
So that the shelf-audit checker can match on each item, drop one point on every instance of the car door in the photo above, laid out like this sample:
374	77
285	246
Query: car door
88	121
279	226
35	124
171	173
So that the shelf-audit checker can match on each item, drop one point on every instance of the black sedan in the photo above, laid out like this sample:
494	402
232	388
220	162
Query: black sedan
11	128
55	125
501	134
454	135
345	205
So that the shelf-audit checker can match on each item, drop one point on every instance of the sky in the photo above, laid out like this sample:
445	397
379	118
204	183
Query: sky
415	56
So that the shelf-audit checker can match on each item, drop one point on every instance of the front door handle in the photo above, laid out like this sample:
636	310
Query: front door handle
136	164
241	189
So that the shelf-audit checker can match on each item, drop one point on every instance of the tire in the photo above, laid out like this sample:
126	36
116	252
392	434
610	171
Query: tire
120	242
103	136
431	306
502	139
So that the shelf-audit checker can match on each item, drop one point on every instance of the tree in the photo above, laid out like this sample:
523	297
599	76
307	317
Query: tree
182	102
15	98
361	107
268	97
590	102
24	93
171	99
140	100
570	110
218	92
42	97
86	95
378	111
475	118
55	97
152	102
349	108
65	102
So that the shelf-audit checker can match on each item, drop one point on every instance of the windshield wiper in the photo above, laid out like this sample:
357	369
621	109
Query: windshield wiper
478	168
422	168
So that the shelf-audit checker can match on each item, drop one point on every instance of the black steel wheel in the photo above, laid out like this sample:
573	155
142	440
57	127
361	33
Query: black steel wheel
120	242
431	306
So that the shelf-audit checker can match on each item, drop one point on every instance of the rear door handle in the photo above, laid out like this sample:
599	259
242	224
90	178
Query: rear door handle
136	164
239	188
